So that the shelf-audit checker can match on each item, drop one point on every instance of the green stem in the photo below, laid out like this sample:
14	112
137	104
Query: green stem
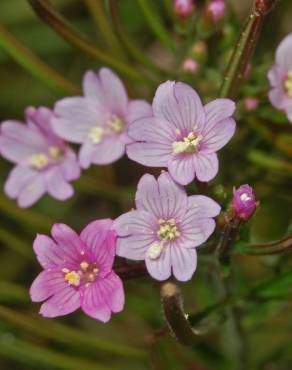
48	14
34	65
245	47
155	24
97	10
275	247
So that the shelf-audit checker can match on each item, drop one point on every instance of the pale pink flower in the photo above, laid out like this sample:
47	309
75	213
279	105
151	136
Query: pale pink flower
215	10
99	119
165	228
43	161
183	8
190	66
280	76
78	272
182	134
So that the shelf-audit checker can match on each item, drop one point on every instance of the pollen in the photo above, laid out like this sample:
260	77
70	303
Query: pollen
288	84
168	230
189	144
73	278
95	134
84	265
38	161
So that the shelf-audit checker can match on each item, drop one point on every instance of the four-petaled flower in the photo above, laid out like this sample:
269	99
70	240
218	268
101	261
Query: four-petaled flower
165	228
182	134
78	272
44	163
280	76
99	119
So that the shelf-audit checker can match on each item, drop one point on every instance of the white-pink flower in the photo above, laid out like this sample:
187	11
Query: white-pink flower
182	134
165	228
280	77
43	161
99	119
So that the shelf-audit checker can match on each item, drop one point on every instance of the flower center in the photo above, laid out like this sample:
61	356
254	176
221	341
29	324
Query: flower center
95	134
86	274
115	124
288	84
244	197
41	160
168	230
189	144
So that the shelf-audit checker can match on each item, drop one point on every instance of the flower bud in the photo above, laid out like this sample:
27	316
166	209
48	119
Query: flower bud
250	103
190	66
215	11
244	203
183	8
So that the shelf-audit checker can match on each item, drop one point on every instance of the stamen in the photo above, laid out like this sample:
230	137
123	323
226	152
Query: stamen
115	124
55	152
189	144
96	134
168	230
38	161
73	278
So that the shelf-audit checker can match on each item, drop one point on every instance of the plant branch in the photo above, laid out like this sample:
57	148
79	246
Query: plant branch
245	47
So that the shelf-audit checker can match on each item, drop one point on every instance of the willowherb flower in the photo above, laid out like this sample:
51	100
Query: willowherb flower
165	228
244	203
280	77
78	272
99	119
215	10
44	162
182	134
183	8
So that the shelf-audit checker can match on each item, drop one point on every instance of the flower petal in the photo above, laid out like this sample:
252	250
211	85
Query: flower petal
278	98
47	252
75	117
160	268
32	191
182	169
275	76
101	241
44	285
56	185
135	222
69	166
183	262
138	109
109	150
147	196
216	111
284	53
149	154
195	232
201	206
134	246
86	154
19	176
206	166
218	136
70	243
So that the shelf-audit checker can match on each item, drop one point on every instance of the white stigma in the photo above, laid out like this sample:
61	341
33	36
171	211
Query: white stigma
38	161
155	251
95	134
244	197
168	230
288	84
189	144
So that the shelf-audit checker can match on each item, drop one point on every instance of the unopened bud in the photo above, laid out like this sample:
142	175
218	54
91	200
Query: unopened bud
250	103
190	66
215	11
183	8
244	203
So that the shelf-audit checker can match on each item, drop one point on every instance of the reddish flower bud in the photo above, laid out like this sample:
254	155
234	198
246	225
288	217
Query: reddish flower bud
244	203
215	10
250	103
183	8
190	66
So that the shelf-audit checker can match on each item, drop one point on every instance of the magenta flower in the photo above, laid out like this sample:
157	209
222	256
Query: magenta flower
244	203
78	272
280	76
99	119
165	228
182	134
183	8
44	163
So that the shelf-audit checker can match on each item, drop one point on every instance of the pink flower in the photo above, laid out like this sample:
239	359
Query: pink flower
190	66
44	163
183	8
244	203
78	272
182	134
280	76
165	228
215	10
250	103
99	119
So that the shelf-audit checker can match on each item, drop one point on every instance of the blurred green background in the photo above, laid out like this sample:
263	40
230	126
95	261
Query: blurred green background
260	154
